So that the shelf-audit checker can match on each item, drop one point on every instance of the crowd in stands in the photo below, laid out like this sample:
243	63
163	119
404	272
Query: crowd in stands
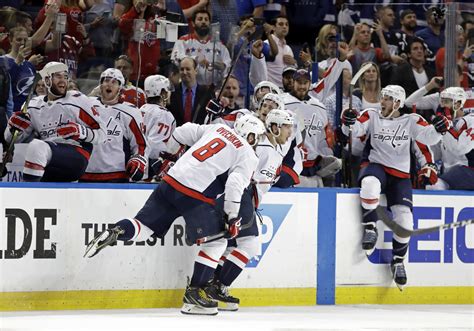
292	44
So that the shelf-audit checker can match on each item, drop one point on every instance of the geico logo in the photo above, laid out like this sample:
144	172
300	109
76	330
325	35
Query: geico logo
48	133
176	237
21	229
445	247
268	173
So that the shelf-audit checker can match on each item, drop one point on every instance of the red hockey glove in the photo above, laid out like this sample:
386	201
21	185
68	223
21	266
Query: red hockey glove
19	121
441	123
72	130
427	175
136	167
214	107
348	117
233	226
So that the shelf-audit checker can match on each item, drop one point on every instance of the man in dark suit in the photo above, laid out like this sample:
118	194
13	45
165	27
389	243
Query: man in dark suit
188	101
415	73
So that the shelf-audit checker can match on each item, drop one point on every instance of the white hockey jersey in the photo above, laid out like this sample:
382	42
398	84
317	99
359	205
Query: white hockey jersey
159	124
218	161
460	141
270	160
46	117
124	139
391	138
189	45
313	114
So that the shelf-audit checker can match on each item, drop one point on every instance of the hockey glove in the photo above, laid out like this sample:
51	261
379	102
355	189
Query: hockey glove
214	107
427	175
136	167
19	121
169	157
348	117
232	226
441	124
161	167
72	130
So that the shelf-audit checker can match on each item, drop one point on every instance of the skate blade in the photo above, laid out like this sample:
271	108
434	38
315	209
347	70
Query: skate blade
368	252
92	249
190	309
400	287
226	306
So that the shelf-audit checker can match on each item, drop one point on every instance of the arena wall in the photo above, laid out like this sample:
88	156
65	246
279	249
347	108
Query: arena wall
309	252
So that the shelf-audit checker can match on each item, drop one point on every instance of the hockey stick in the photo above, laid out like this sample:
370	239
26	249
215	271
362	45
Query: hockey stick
24	109
221	234
354	80
405	233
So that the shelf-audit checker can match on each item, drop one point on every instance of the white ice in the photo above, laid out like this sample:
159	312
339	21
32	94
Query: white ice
343	317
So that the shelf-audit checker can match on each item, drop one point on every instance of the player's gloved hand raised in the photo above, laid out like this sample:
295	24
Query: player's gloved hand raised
233	224
441	123
136	167
214	107
348	117
427	175
19	121
72	130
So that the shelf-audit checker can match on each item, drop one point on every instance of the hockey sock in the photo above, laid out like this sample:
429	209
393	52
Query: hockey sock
399	250
369	218
202	275
128	227
233	266
31	178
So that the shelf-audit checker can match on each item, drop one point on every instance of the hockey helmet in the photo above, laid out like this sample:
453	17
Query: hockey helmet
396	92
456	94
248	124
264	84
113	73
155	84
272	97
278	117
51	68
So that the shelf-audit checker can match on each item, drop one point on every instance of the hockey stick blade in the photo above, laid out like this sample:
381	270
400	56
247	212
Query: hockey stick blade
405	233
359	73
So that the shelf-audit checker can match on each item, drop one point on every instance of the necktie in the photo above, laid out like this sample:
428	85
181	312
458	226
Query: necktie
188	106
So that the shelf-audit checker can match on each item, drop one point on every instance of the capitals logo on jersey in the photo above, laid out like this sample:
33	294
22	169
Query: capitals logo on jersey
314	127
396	137
49	129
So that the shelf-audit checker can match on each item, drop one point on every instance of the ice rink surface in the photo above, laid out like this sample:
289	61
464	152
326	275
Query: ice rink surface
350	317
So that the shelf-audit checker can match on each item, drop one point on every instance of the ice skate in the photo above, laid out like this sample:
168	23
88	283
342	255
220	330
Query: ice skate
399	273
102	240
196	302
369	240
220	294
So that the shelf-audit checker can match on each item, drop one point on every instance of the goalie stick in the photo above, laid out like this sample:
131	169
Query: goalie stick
405	233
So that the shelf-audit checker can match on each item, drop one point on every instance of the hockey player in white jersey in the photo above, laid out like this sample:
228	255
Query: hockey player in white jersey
318	137
390	136
219	160
270	151
123	157
63	125
159	123
457	144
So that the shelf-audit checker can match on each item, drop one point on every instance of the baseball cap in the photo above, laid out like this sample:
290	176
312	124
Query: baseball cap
291	69
302	73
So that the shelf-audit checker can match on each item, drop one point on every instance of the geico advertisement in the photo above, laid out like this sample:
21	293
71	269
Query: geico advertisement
444	258
44	232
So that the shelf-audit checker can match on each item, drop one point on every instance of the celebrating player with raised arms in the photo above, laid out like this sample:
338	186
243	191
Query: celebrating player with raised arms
122	158
64	126
390	135
219	160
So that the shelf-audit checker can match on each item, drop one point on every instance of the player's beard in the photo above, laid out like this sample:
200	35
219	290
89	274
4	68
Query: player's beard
55	92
